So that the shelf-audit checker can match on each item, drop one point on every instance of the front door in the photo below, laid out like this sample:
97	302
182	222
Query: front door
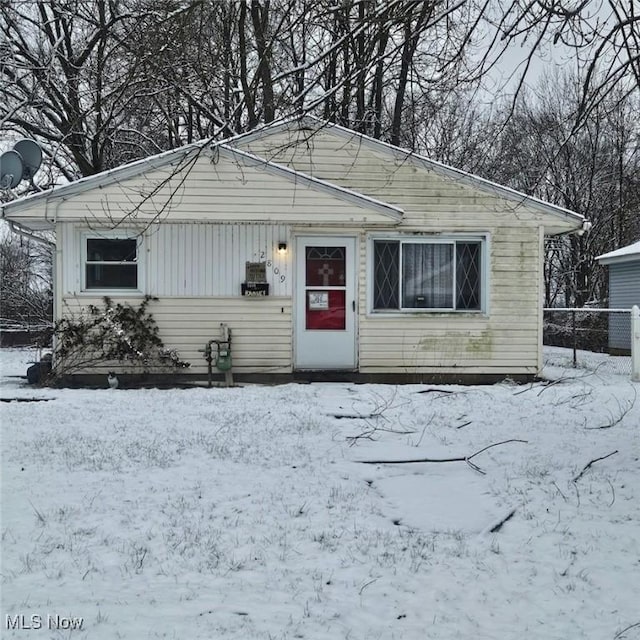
325	303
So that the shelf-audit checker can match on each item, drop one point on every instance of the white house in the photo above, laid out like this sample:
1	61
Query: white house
380	263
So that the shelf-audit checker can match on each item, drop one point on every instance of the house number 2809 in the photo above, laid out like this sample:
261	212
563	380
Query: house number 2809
276	270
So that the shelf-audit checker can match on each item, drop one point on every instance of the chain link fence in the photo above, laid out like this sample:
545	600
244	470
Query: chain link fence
588	332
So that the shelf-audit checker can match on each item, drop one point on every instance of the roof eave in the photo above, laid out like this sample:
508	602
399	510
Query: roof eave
632	257
627	253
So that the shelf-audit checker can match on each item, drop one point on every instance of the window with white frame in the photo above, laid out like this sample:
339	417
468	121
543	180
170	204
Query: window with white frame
426	274
110	262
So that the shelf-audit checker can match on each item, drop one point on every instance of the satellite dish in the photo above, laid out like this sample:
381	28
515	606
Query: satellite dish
31	157
11	169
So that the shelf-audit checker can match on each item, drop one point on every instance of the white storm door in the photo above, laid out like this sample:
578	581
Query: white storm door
325	303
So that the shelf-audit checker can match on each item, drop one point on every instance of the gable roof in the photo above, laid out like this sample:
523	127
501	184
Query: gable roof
183	154
629	253
181	157
315	124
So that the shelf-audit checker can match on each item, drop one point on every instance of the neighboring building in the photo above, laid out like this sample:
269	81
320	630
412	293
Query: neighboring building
624	292
380	264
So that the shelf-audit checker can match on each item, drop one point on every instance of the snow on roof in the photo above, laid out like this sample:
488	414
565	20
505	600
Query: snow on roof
624	254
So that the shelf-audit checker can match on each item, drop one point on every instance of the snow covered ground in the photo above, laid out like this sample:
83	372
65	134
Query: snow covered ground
246	513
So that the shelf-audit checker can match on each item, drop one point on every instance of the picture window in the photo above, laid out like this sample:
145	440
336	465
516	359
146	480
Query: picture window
410	275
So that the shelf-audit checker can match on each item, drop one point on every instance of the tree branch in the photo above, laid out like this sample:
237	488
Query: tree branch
456	459
588	465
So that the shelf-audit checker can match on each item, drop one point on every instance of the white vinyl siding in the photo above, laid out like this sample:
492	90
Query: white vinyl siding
208	191
506	337
504	340
397	179
261	329
210	259
194	259
196	269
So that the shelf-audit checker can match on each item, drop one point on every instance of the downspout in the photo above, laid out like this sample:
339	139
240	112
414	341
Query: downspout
56	268
585	228
19	229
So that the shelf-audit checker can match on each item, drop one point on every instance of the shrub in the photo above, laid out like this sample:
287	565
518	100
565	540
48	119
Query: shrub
116	333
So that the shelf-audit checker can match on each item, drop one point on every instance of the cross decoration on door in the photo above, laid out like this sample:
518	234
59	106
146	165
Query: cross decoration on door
325	266
325	271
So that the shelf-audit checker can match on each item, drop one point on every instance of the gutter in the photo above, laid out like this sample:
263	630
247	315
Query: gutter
585	228
21	231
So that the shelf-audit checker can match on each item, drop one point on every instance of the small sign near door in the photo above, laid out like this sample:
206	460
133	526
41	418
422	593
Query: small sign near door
254	289
318	300
256	285
256	271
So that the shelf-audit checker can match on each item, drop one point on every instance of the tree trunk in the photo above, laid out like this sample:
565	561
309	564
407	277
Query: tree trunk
260	20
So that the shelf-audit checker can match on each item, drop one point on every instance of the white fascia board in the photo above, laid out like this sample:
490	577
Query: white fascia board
298	177
629	253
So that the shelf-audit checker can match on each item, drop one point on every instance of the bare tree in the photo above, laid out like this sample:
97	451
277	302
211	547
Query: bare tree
69	80
600	40
101	83
594	171
25	283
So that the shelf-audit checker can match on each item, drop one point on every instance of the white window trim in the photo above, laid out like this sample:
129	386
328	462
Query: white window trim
483	237
120	234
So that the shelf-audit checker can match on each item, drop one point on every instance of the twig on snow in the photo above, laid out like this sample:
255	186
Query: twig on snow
564	378
496	444
560	492
621	633
620	418
551	383
369	433
588	465
575	486
613	493
499	525
466	459
41	518
529	387
365	585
